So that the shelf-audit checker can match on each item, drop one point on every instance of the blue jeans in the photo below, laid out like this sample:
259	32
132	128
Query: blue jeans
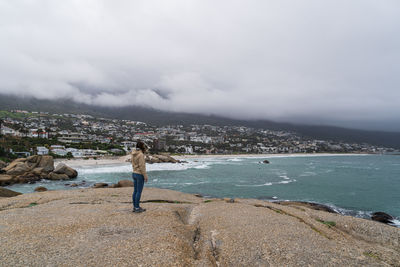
138	183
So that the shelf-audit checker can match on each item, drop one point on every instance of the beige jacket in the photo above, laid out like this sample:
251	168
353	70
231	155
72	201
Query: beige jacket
138	163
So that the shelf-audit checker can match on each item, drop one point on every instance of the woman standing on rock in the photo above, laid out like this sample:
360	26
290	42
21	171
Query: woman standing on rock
139	174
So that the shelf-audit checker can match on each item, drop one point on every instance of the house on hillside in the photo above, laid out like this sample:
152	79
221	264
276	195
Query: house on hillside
41	150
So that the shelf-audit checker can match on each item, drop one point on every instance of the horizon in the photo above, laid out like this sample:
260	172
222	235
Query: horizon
331	63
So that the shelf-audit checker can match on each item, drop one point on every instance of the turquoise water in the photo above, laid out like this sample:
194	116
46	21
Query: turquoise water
353	184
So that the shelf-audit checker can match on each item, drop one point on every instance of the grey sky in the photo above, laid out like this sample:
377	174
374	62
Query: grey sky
332	61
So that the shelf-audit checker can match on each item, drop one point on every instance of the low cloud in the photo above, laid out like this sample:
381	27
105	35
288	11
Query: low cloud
299	61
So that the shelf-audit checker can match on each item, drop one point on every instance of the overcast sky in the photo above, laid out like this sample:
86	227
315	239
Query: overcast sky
331	61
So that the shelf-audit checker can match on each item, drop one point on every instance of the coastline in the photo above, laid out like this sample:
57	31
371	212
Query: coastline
79	162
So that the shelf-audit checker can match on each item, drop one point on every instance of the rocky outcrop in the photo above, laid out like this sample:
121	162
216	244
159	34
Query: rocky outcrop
4	192
160	159
155	158
2	164
100	185
311	205
64	169
382	217
57	176
265	161
125	183
96	227
34	168
40	189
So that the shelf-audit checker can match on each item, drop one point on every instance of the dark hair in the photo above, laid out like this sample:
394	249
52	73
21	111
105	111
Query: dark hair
141	146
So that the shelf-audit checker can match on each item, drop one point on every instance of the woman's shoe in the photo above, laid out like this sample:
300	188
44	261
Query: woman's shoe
139	210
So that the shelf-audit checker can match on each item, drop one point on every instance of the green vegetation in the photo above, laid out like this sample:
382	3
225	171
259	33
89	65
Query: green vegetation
328	223
32	204
8	114
371	255
207	201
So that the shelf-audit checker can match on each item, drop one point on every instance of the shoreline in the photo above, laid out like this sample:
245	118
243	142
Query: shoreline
110	161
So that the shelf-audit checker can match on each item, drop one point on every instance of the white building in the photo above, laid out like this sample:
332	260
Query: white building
41	150
76	153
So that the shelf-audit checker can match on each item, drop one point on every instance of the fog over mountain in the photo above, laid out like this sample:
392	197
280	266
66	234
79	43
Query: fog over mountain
332	62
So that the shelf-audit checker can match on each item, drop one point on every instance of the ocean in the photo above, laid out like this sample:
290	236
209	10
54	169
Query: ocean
354	185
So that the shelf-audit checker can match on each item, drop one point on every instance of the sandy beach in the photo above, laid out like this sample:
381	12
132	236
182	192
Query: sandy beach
75	163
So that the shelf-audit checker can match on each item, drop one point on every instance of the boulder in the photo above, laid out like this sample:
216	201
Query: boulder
2	164
46	162
74	185
40	189
6	179
266	161
18	169
57	176
382	217
4	192
160	159
40	172
64	169
13	164
125	183
166	158
100	185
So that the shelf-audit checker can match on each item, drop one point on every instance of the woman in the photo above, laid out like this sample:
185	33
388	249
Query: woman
139	175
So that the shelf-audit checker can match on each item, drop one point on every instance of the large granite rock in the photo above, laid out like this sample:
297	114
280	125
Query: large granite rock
160	159
57	176
64	169
4	192
13	164
125	183
18	169
34	168
2	164
5	179
97	228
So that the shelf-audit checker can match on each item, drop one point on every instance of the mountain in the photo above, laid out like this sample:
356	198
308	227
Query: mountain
158	117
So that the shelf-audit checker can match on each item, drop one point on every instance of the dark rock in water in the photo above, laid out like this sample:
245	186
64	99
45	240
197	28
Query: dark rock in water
56	176
40	189
382	217
265	161
4	192
311	205
100	185
198	195
73	185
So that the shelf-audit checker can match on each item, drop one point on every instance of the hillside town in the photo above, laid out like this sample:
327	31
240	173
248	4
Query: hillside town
25	133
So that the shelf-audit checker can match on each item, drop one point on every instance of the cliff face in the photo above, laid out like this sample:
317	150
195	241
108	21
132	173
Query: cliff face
95	227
